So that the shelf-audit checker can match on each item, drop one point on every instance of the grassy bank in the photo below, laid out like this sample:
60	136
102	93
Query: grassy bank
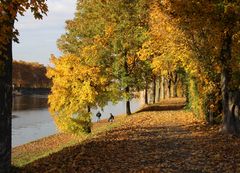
32	151
27	153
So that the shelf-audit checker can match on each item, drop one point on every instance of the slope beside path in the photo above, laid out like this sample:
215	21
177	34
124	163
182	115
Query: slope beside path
167	140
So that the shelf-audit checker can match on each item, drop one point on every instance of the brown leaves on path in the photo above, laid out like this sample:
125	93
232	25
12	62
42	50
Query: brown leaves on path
153	141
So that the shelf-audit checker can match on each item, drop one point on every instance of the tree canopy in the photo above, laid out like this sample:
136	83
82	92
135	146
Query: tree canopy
104	36
194	43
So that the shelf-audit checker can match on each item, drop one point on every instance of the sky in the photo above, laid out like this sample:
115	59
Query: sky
38	37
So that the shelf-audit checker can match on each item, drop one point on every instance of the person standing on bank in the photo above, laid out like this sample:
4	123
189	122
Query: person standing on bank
111	118
98	115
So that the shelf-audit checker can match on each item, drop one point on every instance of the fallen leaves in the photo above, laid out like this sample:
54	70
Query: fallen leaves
153	141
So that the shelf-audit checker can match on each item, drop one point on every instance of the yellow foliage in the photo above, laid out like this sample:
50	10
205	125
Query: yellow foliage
75	87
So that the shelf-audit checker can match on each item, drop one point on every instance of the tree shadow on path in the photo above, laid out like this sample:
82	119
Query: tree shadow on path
151	141
162	108
172	104
156	148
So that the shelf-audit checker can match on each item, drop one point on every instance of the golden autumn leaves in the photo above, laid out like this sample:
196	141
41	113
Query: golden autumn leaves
99	60
75	87
132	42
168	142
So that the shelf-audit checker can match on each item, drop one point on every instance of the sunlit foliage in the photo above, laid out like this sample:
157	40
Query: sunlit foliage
76	87
101	45
192	42
205	38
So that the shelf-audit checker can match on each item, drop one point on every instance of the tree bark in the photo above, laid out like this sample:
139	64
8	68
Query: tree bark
163	88
154	89
230	102
127	89
88	109
187	94
159	90
88	126
169	88
128	107
6	108
175	84
146	93
175	90
231	124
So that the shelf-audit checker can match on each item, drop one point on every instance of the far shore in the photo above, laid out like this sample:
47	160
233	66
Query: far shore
30	91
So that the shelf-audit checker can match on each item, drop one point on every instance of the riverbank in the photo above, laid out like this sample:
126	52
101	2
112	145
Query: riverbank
172	140
33	121
24	154
27	153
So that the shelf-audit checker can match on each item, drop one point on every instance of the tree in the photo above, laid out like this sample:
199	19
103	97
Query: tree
129	19
119	27
8	14
211	34
76	88
162	50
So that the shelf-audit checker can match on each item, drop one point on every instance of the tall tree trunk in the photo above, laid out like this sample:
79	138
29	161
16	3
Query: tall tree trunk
175	84
87	126
175	90
5	108
230	123
187	94
127	89
169	88
128	108
88	109
163	88
154	89
159	90
146	93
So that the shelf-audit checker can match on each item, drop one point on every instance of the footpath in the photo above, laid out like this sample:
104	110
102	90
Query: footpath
159	138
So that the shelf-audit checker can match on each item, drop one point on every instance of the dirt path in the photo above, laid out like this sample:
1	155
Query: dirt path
150	141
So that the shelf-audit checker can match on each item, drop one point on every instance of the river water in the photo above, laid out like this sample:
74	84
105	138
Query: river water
32	121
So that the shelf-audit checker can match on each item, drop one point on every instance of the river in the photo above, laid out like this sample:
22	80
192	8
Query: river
32	121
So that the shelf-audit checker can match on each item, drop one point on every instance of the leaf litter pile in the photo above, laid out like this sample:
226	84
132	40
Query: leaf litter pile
171	140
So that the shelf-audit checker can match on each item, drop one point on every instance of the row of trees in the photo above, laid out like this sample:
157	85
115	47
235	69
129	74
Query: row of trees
113	48
209	44
163	87
30	75
110	51
100	61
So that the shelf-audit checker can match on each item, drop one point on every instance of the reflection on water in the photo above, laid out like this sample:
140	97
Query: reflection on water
32	121
29	102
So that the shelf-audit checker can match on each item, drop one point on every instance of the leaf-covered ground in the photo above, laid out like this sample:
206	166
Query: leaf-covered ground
151	141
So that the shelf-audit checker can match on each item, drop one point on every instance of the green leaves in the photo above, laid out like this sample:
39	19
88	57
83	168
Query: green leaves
106	35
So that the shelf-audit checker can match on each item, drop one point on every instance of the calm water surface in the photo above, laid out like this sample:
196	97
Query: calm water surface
32	121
